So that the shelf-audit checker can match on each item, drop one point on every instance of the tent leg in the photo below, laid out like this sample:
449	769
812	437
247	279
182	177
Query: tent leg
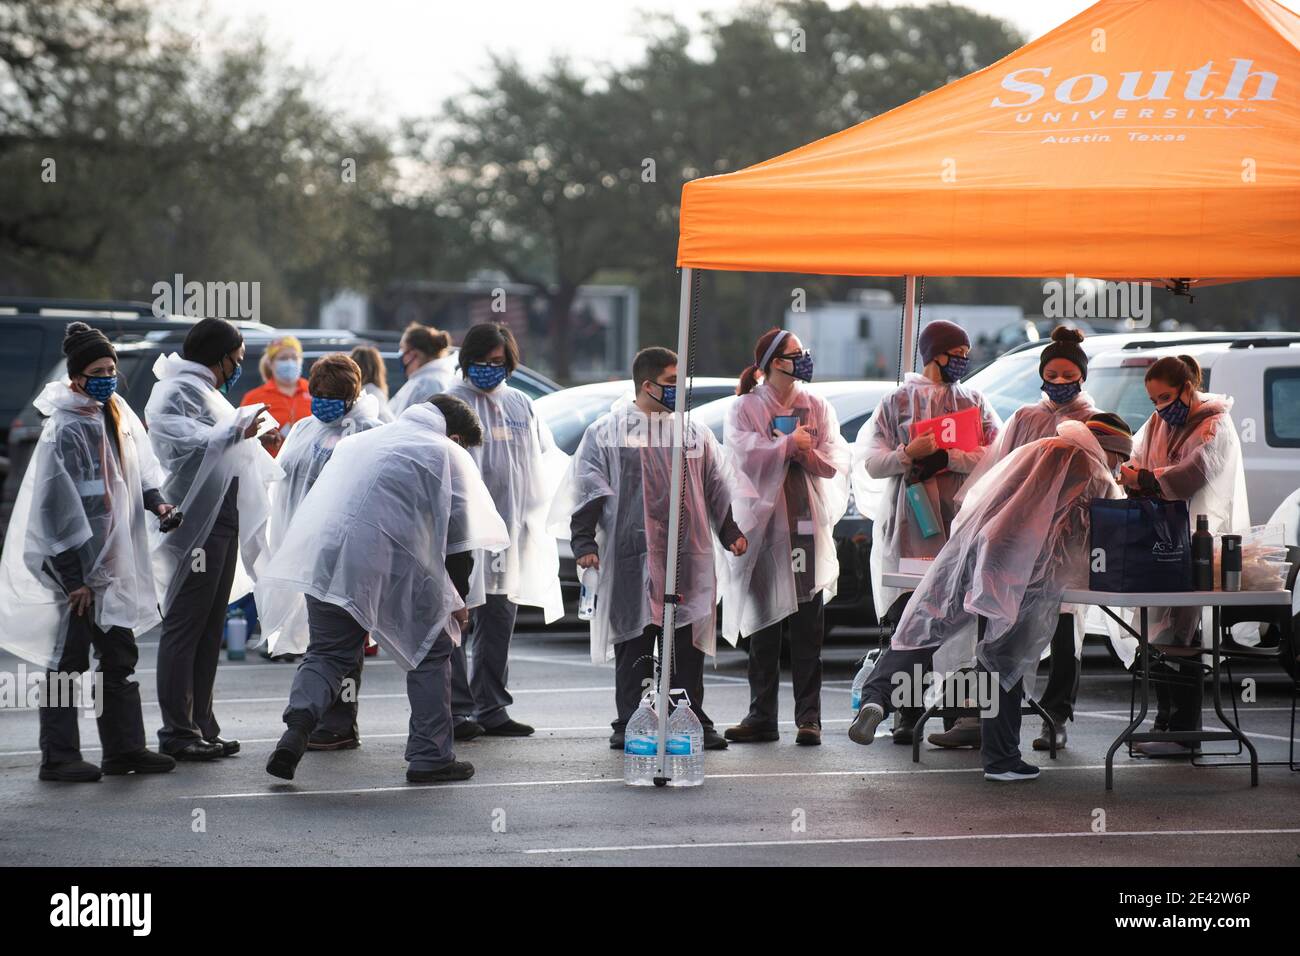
674	523
909	327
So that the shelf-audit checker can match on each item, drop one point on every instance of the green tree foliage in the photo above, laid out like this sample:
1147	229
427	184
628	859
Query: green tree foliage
217	167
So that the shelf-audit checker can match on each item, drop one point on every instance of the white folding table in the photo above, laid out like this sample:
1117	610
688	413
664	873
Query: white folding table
1143	601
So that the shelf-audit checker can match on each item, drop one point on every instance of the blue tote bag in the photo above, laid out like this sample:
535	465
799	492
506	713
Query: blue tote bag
1140	544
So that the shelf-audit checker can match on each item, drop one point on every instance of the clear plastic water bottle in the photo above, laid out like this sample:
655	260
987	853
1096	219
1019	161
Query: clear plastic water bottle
236	636
685	746
640	745
587	581
860	679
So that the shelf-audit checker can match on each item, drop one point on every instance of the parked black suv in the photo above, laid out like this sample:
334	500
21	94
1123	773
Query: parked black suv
31	339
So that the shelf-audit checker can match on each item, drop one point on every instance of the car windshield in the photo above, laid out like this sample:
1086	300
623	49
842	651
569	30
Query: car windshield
1122	390
1011	382
568	413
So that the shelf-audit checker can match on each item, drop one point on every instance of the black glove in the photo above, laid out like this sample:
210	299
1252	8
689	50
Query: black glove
1147	484
926	468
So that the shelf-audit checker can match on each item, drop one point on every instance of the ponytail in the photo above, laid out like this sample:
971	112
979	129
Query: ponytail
749	378
1177	371
1194	374
112	426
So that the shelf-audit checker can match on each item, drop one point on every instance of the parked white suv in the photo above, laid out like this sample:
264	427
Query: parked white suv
1260	373
1260	370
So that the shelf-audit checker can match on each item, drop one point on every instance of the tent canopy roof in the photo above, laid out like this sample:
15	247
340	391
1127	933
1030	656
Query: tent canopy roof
1143	138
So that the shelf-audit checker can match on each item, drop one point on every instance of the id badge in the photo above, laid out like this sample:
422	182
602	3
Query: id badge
500	433
805	528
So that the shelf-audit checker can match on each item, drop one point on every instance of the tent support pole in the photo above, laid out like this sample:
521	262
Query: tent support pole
674	523
909	327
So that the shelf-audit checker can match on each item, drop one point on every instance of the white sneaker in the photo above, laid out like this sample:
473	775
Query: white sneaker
863	728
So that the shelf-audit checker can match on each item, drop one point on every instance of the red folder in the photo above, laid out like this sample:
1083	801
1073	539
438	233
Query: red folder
962	430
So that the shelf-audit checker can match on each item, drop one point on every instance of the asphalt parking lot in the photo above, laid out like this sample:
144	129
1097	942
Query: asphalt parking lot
558	798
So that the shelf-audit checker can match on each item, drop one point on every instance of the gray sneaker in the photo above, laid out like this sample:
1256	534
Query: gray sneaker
863	728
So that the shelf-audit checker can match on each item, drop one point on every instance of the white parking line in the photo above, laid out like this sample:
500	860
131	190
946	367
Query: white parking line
226	701
601	730
587	781
956	838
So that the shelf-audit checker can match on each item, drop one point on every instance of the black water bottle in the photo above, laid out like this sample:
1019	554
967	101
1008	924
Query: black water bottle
1202	556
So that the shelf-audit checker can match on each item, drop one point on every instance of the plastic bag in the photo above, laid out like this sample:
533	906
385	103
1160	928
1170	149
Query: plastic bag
1264	564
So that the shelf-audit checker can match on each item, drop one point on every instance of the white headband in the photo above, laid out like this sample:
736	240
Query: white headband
771	349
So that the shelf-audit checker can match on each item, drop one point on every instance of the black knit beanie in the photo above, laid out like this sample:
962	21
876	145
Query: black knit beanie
940	337
83	345
1065	345
209	340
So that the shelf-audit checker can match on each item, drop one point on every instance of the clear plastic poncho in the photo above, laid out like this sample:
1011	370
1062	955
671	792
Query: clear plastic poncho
432	378
626	457
304	454
880	466
1027	424
373	534
1020	540
382	411
522	468
198	438
1199	463
78	494
760	587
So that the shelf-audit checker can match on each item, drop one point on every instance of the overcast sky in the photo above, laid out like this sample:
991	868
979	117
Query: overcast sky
391	58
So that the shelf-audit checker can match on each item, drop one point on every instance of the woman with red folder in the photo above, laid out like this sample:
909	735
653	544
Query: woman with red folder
907	478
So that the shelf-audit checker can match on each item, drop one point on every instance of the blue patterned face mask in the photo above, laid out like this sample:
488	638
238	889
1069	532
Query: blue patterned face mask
229	383
803	367
1062	392
669	398
101	387
486	377
1175	413
955	369
328	409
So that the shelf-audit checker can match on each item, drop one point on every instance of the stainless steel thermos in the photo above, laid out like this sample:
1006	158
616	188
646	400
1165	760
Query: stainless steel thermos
1230	562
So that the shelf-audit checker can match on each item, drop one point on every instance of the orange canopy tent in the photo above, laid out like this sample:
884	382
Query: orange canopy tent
1143	138
1151	139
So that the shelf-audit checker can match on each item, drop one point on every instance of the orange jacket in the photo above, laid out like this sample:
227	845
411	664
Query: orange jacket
283	408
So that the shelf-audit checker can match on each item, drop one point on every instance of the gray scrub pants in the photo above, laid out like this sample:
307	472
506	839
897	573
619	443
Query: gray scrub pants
999	736
189	645
634	662
121	725
480	666
879	688
334	652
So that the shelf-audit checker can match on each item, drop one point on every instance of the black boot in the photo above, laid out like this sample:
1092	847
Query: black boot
142	761
292	745
70	771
